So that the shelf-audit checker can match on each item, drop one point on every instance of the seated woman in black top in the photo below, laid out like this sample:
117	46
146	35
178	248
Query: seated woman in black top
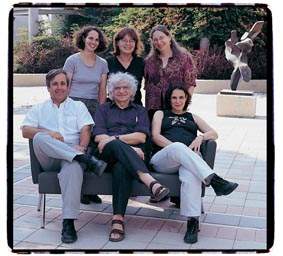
127	50
175	133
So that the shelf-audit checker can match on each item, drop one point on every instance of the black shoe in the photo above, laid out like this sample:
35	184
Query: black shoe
69	234
92	164
85	199
95	199
175	200
222	187
96	166
191	235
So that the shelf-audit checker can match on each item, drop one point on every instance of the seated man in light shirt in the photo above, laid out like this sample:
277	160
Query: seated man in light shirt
61	129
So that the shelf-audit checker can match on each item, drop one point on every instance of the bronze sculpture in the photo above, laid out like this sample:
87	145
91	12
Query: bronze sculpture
236	52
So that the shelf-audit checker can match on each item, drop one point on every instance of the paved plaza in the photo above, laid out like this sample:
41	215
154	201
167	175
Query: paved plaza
237	221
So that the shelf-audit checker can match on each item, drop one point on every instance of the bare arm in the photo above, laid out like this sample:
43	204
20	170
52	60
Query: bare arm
29	132
102	89
133	138
101	137
208	132
158	139
84	138
70	76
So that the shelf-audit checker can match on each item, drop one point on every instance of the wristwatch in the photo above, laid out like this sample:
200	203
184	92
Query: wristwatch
117	137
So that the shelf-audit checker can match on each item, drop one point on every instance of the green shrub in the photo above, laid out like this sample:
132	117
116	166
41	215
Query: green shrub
213	64
48	52
43	54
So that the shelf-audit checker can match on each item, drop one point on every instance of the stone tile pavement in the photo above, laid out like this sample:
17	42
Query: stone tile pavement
237	221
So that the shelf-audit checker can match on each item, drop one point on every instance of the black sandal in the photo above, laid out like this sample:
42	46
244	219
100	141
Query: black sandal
160	192
115	231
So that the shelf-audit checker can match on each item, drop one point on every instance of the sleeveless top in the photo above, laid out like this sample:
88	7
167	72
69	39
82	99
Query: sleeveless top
178	128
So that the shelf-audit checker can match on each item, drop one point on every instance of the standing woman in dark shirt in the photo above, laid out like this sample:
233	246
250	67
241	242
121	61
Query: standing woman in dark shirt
174	131
126	57
167	63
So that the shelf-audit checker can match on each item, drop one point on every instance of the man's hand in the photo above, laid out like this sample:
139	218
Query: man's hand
139	152
56	135
80	148
102	143
195	145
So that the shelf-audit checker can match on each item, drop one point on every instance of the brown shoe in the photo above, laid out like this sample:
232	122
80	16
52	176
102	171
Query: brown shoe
160	192
116	231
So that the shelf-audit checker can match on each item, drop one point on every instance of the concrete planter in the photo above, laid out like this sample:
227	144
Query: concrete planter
215	86
29	80
203	86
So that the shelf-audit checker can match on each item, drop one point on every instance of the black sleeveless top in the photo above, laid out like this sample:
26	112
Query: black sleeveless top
178	128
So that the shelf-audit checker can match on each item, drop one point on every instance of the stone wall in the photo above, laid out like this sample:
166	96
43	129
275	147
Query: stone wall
203	86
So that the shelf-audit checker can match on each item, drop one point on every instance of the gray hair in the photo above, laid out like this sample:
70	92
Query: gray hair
54	72
118	77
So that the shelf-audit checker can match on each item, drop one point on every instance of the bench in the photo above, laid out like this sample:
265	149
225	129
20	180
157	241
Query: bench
48	182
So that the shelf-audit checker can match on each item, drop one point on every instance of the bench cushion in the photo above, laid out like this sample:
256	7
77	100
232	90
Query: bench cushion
92	184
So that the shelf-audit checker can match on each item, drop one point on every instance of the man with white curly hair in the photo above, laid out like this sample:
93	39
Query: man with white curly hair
120	130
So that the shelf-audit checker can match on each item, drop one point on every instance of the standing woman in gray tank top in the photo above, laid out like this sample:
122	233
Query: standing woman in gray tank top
86	70
87	73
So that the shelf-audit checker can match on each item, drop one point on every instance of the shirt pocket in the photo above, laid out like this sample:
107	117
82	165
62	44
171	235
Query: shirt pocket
70	122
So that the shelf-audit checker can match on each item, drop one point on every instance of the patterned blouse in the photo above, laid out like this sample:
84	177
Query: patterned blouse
180	69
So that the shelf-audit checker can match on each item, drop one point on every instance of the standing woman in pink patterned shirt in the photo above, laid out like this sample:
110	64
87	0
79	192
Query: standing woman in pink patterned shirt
166	64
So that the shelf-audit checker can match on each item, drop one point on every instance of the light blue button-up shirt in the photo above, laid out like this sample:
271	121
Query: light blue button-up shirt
68	119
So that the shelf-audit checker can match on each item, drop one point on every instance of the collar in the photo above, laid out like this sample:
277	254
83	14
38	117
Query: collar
65	102
174	55
131	105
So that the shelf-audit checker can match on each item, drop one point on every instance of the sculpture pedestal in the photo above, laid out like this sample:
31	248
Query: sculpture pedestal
236	103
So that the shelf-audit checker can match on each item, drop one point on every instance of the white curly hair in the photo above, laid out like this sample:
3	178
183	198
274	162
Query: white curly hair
116	78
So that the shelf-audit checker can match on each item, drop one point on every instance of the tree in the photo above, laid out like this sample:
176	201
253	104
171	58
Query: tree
99	16
187	24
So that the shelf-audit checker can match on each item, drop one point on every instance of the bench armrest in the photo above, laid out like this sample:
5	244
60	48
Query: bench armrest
34	164
208	151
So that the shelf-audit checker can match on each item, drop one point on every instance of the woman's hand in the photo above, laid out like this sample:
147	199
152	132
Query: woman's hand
139	152
195	145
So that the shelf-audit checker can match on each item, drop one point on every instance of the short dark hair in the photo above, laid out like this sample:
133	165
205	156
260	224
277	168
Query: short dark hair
133	34
170	91
54	72
81	35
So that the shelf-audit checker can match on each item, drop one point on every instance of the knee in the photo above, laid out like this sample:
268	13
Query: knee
114	144
39	138
177	148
